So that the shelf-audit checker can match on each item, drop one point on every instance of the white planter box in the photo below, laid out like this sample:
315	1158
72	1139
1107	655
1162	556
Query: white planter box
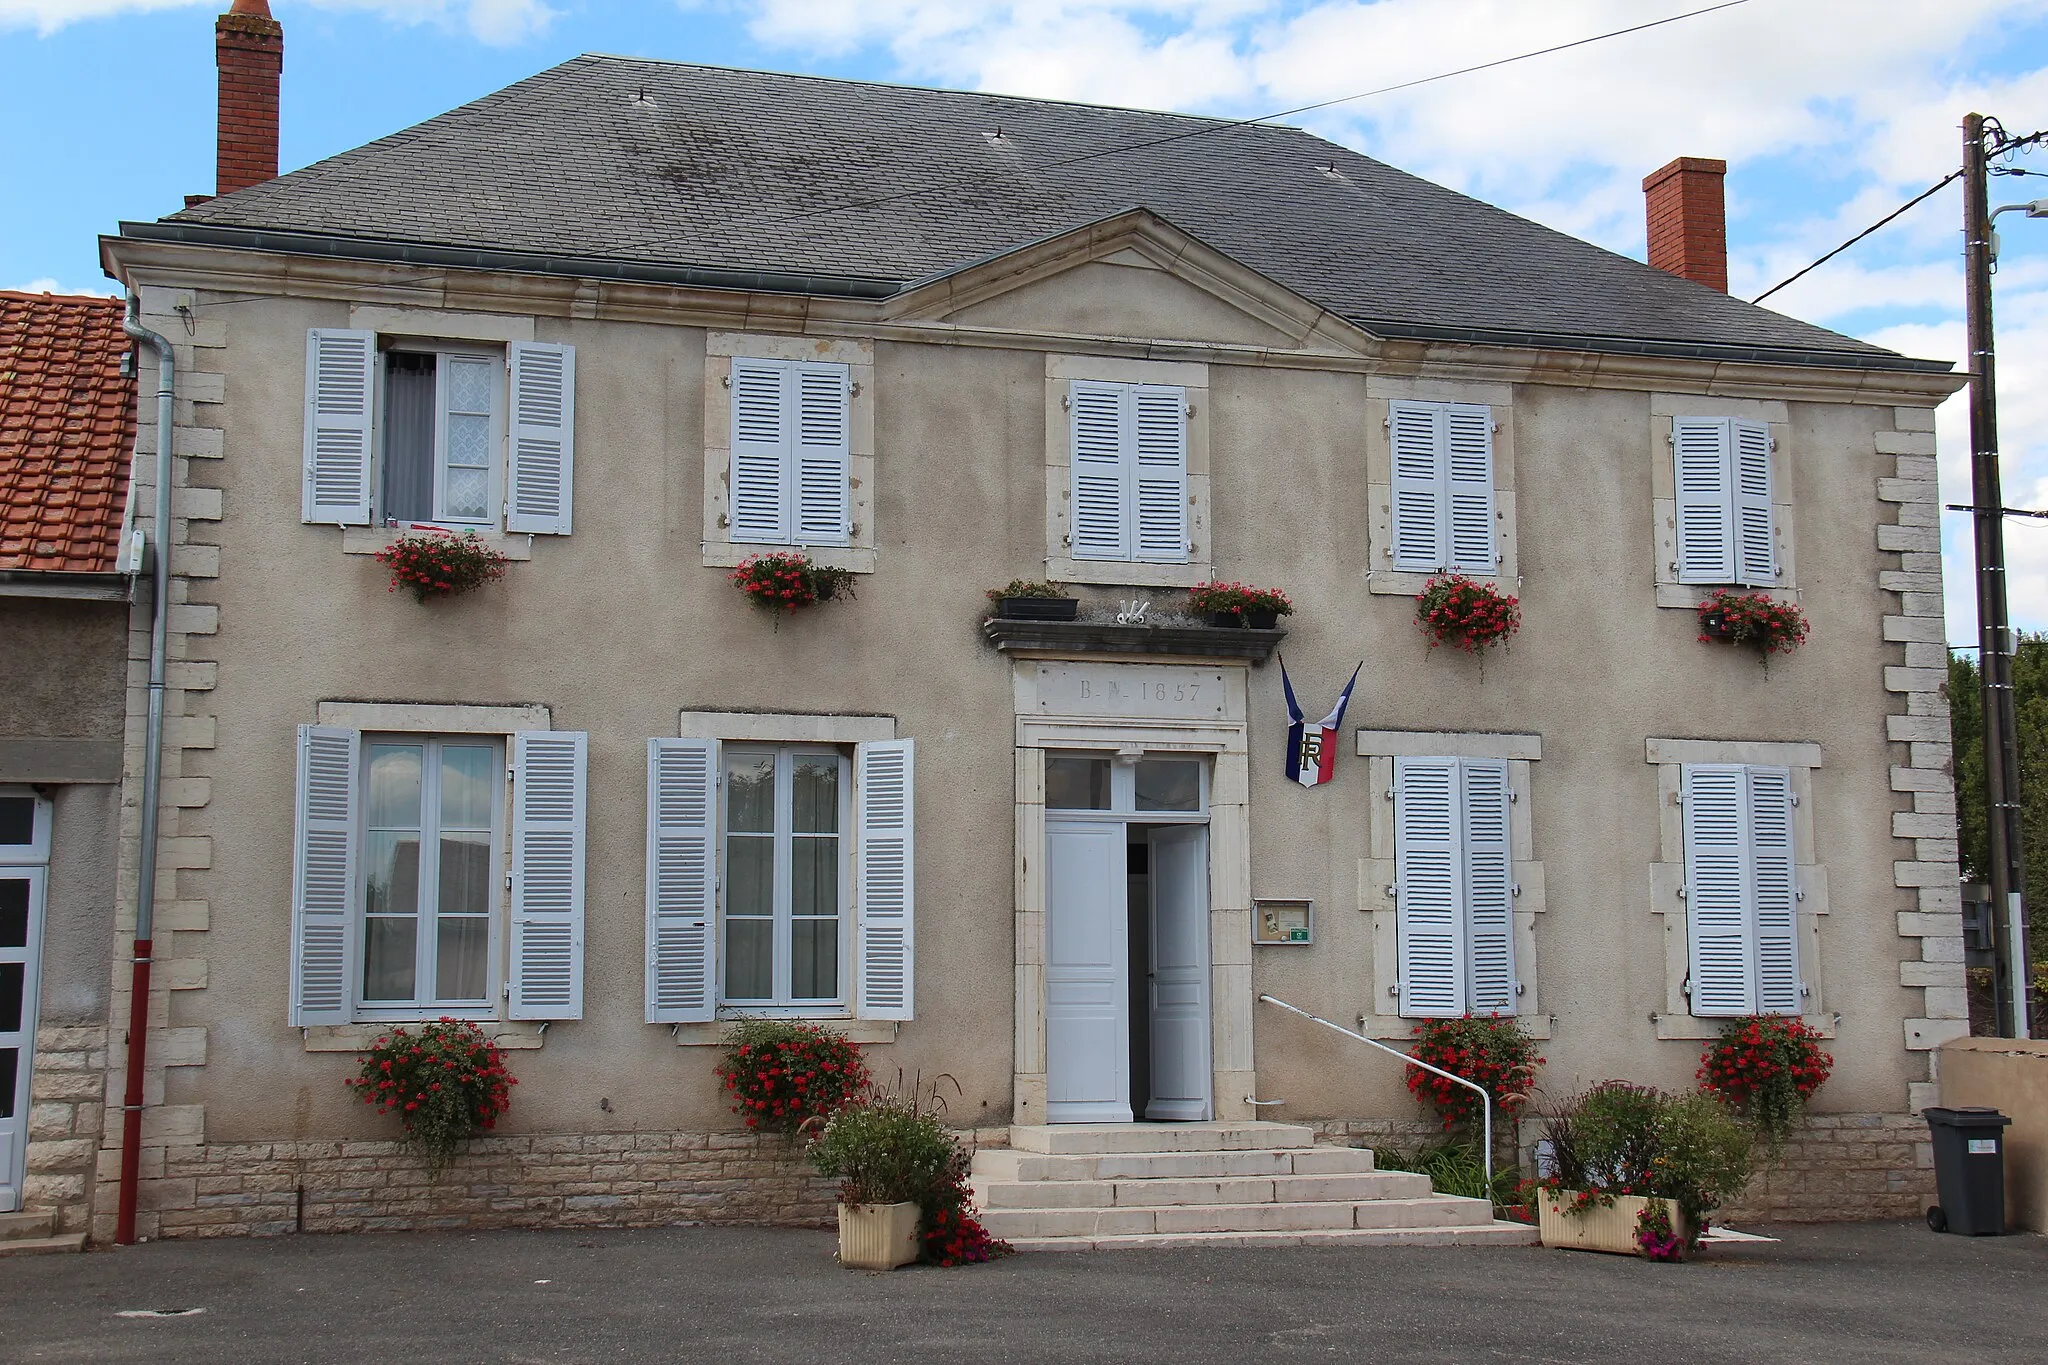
1612	1228
877	1236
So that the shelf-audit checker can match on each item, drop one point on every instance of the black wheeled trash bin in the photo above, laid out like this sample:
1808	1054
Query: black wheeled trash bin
1969	1171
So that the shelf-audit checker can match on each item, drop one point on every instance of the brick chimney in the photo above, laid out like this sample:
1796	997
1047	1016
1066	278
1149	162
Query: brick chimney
1688	222
248	47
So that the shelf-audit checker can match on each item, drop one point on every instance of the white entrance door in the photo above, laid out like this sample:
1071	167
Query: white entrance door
21	916
1087	1010
1180	974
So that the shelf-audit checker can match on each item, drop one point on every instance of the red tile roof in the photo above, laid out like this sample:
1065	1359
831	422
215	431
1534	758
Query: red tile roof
67	425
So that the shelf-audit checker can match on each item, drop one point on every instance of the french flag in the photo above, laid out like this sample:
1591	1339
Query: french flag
1312	749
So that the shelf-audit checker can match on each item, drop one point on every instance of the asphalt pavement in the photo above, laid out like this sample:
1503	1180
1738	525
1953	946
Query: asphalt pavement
1847	1292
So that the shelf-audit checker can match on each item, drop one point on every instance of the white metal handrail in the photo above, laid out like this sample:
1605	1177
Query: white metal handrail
1485	1100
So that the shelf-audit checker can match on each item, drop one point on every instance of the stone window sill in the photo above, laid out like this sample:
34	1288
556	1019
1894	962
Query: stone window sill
1696	1029
513	1036
368	540
722	554
853	1030
1067	638
1688	596
1120	573
1394	1028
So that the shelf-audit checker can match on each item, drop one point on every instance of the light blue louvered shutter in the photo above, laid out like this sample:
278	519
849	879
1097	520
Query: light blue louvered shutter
1717	889
1701	467
1774	892
1468	489
324	876
1159	448
548	805
1428	865
1099	517
341	399
682	881
884	880
1756	542
1415	433
540	462
822	393
760	504
1489	886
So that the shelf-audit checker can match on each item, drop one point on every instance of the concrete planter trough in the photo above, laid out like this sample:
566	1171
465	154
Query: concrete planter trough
877	1236
1612	1228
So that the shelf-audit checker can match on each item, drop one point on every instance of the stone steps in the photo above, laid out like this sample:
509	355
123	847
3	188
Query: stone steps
1499	1234
1113	1186
23	1226
1284	1189
31	1234
1427	1210
40	1246
1144	1165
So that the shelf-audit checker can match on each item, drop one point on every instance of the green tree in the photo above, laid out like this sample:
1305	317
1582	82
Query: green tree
1966	724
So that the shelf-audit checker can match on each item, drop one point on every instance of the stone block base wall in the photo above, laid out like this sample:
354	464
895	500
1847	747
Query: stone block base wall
1842	1167
1833	1168
592	1180
67	1107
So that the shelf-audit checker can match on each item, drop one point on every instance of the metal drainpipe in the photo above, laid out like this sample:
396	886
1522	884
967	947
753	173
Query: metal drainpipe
152	777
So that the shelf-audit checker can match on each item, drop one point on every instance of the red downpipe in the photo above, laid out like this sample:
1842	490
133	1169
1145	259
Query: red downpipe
131	1098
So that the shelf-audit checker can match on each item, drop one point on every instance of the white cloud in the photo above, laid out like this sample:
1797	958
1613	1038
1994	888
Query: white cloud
48	285
1831	113
496	22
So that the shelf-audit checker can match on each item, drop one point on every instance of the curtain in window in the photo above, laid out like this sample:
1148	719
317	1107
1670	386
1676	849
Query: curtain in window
408	491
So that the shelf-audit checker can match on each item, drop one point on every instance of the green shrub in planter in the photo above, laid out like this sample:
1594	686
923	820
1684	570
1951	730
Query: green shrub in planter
1621	1139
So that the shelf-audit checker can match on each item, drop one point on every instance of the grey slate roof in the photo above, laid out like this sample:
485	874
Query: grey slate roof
655	166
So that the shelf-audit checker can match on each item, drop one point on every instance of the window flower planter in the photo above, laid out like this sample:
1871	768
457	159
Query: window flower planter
1025	600
1038	608
1248	619
878	1236
782	581
1239	606
1468	615
1755	619
438	563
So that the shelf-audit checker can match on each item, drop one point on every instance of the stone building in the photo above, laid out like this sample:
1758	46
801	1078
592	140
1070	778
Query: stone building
67	431
634	321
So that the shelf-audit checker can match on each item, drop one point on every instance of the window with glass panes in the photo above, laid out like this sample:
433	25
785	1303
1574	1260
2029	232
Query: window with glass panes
432	816
440	430
784	921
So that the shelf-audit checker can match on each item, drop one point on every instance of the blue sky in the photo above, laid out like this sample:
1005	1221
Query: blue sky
1831	113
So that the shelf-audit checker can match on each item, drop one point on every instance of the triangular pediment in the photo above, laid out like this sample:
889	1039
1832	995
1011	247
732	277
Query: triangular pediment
1132	275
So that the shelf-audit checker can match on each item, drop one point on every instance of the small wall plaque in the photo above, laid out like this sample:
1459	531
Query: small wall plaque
1283	922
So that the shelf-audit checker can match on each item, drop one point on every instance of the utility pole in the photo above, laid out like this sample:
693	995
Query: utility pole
1994	634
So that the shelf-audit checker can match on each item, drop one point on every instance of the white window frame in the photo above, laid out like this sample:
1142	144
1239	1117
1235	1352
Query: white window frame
1382	393
444	354
1378	871
35	853
1062	564
1669	758
26	862
782	1002
426	944
856	551
1673	589
866	740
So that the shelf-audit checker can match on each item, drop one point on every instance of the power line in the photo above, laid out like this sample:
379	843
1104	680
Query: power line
936	186
2012	145
1927	193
